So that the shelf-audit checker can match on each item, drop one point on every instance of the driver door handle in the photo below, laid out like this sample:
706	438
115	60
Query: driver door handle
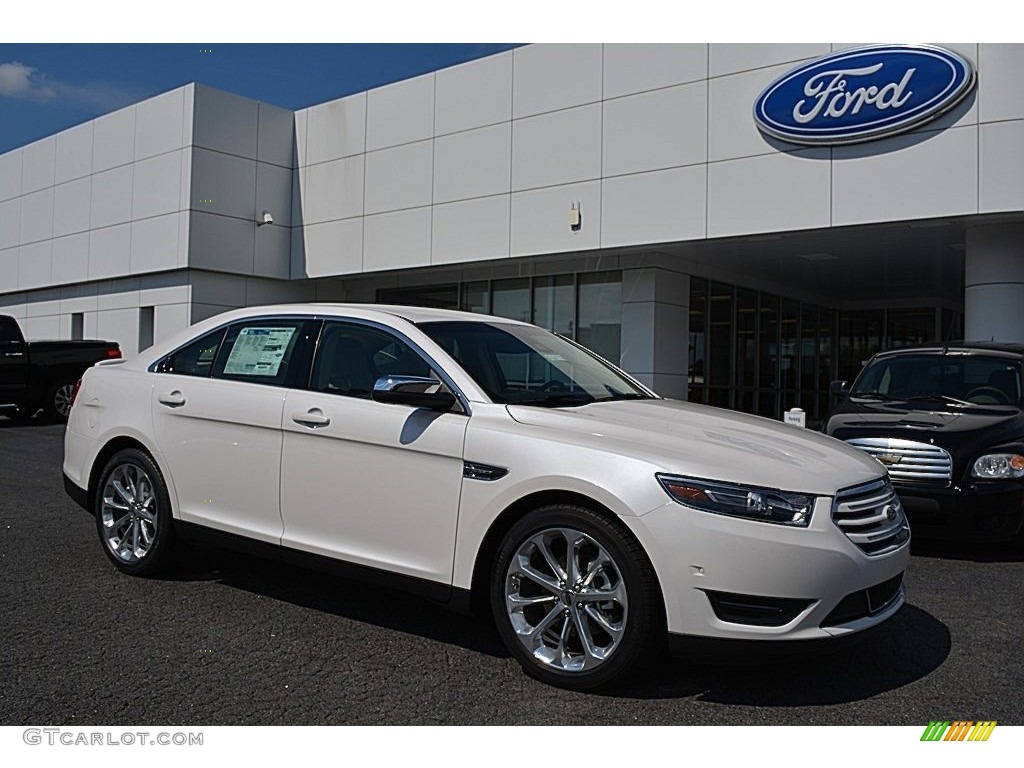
172	400
312	418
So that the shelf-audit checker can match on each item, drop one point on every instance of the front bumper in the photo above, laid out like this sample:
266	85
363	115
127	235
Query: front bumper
818	568
981	511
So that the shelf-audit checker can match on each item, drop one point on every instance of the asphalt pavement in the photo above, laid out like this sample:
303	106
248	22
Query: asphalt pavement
229	639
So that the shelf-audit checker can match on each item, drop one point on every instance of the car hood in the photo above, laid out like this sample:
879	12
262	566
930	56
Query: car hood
710	443
885	417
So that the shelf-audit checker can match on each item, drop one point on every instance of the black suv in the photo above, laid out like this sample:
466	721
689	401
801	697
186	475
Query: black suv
948	424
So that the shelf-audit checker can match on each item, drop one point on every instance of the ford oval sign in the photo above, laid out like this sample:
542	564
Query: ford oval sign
863	93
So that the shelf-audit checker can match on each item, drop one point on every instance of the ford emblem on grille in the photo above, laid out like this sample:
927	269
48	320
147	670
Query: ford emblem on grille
863	93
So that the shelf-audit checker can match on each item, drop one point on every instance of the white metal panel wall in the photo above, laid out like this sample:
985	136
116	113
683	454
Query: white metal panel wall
242	160
658	139
102	200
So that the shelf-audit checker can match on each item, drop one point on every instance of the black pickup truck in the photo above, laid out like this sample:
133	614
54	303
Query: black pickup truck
948	424
42	374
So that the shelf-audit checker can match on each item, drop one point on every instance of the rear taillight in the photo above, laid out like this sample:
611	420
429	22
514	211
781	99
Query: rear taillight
74	391
113	353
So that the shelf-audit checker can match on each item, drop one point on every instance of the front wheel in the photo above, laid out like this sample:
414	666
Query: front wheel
133	514
575	598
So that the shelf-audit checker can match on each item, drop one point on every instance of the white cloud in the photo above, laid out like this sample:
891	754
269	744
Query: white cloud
20	81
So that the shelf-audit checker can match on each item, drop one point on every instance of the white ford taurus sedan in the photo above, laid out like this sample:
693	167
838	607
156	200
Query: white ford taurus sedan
486	464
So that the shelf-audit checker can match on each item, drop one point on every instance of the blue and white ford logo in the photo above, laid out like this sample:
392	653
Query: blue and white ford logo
863	93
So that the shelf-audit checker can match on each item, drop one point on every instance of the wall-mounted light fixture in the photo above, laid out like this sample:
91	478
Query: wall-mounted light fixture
575	216
266	219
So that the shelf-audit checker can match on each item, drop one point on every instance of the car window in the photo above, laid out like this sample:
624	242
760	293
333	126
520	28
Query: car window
528	365
259	351
9	330
976	379
351	357
194	359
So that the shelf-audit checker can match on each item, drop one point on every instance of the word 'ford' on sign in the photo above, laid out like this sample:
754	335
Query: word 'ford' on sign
863	93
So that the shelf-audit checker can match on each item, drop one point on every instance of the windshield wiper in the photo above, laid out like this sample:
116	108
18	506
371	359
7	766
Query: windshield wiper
873	396
622	396
936	396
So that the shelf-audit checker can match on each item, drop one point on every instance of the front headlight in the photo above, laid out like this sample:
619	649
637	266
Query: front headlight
766	505
999	466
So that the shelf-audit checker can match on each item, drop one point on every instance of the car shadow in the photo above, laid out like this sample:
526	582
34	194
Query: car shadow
906	648
958	550
337	596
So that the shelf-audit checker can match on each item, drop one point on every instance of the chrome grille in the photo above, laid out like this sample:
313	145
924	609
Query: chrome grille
872	517
907	460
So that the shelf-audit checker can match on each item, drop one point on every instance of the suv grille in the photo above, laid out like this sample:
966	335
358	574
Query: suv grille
872	517
908	461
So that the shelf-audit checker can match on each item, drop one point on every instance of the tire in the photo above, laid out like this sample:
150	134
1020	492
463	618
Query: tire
58	402
559	629
133	514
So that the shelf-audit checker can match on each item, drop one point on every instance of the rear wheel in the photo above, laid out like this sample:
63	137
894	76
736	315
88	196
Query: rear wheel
133	514
58	402
575	599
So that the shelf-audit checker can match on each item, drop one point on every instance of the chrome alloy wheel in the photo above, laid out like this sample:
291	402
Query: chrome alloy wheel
566	600
129	513
62	400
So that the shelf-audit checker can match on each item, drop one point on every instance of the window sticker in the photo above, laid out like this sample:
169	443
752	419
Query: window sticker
258	351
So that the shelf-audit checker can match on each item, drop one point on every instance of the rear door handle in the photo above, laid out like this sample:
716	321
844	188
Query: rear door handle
173	400
313	418
13	354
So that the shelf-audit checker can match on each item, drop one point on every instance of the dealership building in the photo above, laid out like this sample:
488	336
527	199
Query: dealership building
733	224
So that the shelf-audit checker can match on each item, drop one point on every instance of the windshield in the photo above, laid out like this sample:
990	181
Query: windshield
530	366
953	379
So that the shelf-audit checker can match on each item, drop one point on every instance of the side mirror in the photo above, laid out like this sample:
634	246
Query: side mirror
416	391
839	388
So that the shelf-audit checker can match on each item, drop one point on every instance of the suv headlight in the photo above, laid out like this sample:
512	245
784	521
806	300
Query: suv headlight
766	505
999	466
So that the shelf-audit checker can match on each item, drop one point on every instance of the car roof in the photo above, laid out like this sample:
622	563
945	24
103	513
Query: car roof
960	347
411	314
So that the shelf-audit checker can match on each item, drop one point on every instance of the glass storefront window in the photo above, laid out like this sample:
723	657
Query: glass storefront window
909	326
698	340
476	297
600	313
789	338
720	335
554	304
746	337
511	298
436	296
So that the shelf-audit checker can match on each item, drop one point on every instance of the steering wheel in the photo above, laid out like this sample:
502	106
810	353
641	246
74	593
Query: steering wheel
991	393
552	386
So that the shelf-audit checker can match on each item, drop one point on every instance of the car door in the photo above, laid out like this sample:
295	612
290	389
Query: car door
370	483
13	362
217	407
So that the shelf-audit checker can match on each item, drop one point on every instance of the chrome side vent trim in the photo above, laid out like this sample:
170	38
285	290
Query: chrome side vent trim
475	471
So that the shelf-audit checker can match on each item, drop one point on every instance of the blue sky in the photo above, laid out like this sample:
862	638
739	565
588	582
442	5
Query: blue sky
47	88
